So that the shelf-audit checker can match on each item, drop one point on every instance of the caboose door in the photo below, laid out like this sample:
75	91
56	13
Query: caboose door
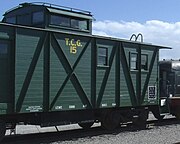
5	77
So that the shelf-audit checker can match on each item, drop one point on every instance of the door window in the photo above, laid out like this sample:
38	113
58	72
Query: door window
4	71
102	56
3	48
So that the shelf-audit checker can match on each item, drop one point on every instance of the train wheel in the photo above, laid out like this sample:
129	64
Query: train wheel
110	120
86	125
177	115
176	112
140	120
161	117
2	129
158	116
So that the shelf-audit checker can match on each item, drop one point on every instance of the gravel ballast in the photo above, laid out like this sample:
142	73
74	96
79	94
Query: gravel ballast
162	134
156	135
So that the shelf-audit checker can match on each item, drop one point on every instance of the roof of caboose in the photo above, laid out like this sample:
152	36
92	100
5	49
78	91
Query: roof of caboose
50	8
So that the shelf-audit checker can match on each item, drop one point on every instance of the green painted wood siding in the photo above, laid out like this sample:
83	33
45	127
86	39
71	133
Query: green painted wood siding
26	45
57	71
69	98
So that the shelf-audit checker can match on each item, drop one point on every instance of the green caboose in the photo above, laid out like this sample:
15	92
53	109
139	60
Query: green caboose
54	71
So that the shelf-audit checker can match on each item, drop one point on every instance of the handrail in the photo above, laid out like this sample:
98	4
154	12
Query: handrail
136	37
133	35
139	36
50	5
61	7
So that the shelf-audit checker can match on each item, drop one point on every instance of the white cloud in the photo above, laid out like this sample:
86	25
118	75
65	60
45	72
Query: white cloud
154	31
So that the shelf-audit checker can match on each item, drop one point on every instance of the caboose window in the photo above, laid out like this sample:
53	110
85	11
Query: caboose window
144	62
11	20
24	19
3	48
102	56
79	24
83	24
60	21
65	21
74	23
38	17
133	61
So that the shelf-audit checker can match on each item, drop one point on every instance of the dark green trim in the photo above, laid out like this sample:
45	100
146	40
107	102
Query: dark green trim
127	75
69	70
13	61
104	82
30	72
93	72
117	77
149	74
138	76
46	74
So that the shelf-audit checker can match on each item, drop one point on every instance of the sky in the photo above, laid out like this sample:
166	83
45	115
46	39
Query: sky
158	21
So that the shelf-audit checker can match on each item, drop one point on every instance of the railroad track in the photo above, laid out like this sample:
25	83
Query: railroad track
50	137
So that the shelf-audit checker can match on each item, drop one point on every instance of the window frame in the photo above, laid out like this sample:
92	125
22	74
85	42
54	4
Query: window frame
5	54
146	62
43	17
56	24
105	56
135	61
20	18
142	67
13	17
70	26
5	50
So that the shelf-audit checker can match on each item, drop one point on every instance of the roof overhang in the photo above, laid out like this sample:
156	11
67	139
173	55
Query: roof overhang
163	47
69	13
